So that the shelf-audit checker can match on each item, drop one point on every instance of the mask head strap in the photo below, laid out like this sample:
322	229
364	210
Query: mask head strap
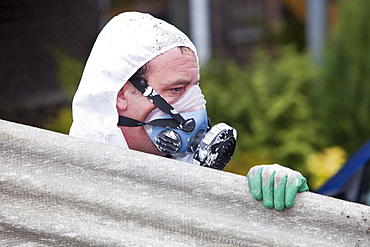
177	121
155	98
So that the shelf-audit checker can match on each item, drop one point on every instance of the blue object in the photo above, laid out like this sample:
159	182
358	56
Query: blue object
186	138
347	183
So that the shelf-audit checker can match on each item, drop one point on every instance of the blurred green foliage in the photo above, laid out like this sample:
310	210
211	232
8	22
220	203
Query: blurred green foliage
69	75
343	90
324	164
287	110
269	105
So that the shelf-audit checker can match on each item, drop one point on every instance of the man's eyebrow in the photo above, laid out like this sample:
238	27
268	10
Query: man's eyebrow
182	82
179	82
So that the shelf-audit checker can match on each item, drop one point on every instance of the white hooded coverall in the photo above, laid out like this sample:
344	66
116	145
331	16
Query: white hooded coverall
125	44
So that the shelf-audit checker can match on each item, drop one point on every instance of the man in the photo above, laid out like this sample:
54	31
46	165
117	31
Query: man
139	90
170	74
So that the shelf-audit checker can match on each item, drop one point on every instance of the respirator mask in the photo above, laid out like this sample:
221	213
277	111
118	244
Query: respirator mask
182	130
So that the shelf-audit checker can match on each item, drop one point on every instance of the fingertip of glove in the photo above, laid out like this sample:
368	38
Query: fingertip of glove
289	204
257	197
268	205
279	208
304	188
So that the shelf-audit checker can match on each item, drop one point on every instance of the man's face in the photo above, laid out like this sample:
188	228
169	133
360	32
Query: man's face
170	74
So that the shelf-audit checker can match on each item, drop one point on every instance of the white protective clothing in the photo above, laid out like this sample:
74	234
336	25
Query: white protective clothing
125	44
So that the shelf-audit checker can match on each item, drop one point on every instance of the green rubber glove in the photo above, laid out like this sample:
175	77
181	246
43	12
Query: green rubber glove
276	185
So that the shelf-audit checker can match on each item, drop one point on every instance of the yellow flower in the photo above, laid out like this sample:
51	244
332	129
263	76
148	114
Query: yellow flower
324	164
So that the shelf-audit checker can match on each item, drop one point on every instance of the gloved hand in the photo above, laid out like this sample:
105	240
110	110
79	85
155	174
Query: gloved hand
276	185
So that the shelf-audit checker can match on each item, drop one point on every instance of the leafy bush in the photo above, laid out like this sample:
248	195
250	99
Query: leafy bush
286	111
343	90
69	75
324	164
269	105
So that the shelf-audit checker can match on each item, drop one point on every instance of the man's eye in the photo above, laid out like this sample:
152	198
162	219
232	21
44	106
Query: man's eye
176	90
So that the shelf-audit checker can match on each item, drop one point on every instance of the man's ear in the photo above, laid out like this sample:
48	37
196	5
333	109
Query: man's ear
121	102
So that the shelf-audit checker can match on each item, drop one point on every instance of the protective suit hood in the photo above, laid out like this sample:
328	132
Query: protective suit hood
124	45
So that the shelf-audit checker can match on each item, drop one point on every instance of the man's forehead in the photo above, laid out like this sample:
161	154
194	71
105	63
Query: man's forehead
174	60
172	54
